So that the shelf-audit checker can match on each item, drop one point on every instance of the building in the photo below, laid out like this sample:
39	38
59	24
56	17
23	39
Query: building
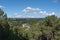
26	26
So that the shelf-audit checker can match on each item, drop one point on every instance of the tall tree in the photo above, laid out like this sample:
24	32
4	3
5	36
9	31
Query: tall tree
4	26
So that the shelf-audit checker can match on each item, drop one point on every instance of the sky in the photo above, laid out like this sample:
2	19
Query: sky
30	8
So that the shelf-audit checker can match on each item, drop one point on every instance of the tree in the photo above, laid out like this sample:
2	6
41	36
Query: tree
50	20
4	26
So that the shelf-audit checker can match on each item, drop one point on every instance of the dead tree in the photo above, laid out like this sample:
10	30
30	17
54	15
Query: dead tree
49	36
46	36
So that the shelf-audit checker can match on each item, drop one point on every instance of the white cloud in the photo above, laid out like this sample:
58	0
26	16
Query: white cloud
26	10
1	6
36	11
53	13
40	12
29	9
43	12
17	15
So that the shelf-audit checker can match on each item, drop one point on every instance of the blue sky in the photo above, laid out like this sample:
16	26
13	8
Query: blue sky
30	8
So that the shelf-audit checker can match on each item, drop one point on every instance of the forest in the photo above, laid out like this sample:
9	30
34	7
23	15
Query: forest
47	28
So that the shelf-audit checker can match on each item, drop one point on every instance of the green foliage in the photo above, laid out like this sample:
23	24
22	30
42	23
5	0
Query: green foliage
38	27
4	26
50	20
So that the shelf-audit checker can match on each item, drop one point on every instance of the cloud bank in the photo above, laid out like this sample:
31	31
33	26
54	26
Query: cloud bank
37	10
30	12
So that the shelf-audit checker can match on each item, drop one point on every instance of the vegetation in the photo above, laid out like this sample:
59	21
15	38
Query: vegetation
47	28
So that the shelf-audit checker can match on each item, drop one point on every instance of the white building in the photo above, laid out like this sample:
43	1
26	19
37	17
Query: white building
26	26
